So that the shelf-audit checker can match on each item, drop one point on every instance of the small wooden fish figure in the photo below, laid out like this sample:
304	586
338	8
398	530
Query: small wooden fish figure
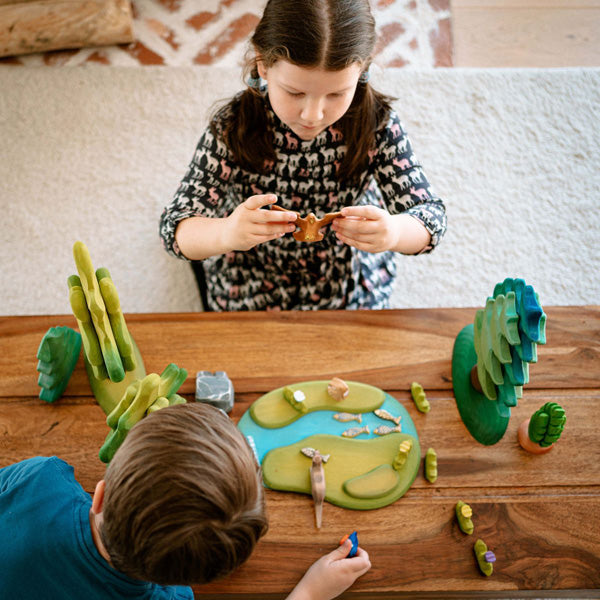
354	431
310	452
317	486
384	414
385	429
343	417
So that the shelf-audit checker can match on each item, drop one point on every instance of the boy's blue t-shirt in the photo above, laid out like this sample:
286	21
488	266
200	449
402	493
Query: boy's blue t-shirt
46	545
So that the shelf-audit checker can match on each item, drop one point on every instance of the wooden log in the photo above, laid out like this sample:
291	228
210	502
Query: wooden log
42	25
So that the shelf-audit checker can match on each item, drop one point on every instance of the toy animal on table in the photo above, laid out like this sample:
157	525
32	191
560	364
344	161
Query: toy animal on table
490	360
310	225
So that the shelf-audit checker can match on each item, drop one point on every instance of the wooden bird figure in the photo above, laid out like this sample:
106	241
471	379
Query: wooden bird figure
309	226
317	484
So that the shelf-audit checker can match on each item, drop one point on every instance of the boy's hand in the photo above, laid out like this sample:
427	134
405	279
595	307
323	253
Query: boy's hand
367	228
331	574
248	226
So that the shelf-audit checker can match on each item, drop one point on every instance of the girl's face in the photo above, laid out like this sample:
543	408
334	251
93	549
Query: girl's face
309	100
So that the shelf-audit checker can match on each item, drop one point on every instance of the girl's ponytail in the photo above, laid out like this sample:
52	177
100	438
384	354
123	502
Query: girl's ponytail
246	129
368	112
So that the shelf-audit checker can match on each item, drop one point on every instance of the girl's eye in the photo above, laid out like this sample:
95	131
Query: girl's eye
335	95
296	94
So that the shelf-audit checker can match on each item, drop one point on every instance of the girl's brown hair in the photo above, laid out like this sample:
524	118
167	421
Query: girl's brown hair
328	34
183	501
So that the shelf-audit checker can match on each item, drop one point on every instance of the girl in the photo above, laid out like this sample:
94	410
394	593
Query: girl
311	134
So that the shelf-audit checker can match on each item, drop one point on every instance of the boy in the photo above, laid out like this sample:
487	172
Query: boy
181	503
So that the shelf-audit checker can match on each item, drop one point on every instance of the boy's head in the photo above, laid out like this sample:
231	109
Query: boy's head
183	500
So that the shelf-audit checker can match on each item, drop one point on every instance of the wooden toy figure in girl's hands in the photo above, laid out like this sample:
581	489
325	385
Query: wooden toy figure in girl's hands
311	134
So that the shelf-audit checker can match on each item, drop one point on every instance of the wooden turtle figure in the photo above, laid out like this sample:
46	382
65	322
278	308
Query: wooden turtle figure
310	225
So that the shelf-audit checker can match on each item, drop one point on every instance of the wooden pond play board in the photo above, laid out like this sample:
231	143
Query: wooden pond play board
359	473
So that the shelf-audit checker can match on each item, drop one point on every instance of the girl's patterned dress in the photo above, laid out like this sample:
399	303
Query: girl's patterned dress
286	274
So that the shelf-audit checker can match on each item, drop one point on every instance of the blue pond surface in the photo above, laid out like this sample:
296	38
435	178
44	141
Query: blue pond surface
320	421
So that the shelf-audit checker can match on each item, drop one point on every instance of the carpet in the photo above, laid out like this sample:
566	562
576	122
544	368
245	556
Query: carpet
94	154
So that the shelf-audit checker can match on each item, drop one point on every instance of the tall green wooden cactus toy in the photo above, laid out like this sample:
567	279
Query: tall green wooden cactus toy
112	359
490	361
143	396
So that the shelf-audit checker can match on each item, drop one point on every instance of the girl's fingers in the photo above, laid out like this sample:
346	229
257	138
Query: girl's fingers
256	202
355	243
366	212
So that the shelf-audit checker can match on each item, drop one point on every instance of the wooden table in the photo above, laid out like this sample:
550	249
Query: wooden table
539	514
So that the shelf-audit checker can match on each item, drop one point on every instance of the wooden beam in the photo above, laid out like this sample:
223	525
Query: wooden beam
41	25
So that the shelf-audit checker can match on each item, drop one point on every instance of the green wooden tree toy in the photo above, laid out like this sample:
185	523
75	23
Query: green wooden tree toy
490	361
539	433
112	359
142	397
58	354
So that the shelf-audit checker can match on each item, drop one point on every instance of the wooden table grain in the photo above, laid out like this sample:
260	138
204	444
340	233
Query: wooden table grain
539	514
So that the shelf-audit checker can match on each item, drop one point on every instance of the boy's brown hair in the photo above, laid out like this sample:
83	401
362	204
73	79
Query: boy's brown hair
184	500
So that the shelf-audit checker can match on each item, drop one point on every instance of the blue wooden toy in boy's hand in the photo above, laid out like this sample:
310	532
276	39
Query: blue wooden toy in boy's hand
353	537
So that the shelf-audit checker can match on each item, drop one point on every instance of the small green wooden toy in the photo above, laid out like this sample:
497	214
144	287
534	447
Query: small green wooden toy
143	396
418	394
58	353
403	451
463	516
296	399
485	557
490	361
539	433
112	359
431	470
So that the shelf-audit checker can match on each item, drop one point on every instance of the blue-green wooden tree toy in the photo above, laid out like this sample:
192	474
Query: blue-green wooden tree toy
490	361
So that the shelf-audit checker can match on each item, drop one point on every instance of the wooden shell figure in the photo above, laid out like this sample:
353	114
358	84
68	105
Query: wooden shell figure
310	225
317	483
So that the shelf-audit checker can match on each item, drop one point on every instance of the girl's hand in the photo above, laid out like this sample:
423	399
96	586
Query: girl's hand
331	574
368	228
248	226
373	229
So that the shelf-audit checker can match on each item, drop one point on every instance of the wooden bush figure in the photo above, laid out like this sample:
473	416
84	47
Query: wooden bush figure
539	433
58	354
490	361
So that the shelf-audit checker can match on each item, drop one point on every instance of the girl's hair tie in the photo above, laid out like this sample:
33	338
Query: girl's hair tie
253	82
365	76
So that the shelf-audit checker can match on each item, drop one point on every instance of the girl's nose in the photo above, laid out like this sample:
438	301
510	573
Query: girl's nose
312	111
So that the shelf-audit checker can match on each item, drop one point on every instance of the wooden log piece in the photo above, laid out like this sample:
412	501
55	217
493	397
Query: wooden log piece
41	25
